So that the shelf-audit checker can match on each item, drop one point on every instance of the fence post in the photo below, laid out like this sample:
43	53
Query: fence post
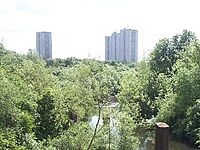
162	136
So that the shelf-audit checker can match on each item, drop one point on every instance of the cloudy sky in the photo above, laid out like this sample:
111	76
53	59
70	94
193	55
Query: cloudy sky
79	26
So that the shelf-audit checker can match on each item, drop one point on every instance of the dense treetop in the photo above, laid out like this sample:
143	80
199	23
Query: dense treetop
49	104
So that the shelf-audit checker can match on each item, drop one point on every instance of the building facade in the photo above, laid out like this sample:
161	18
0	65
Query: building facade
122	46
44	44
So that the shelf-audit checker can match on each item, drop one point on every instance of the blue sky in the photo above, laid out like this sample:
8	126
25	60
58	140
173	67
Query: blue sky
79	26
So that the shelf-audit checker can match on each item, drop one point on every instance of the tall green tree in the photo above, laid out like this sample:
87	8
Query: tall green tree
46	121
168	51
180	105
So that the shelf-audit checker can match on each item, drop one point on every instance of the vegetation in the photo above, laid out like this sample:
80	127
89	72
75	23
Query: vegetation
49	104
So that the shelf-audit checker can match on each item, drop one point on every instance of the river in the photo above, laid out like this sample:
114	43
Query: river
147	142
147	139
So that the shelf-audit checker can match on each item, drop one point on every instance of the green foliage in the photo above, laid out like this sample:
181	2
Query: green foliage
198	137
29	142
46	121
168	51
74	137
8	97
139	90
193	121
68	62
8	140
47	104
34	57
180	108
127	132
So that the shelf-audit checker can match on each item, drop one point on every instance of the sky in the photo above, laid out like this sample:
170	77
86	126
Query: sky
79	27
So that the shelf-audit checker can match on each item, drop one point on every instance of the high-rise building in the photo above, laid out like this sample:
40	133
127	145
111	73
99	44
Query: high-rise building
44	44
123	46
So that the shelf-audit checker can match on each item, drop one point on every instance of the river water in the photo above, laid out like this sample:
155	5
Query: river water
147	139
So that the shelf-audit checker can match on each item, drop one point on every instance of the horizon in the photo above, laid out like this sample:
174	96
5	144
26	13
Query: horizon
79	27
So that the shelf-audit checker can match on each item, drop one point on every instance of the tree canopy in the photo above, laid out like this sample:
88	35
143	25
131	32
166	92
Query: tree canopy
49	104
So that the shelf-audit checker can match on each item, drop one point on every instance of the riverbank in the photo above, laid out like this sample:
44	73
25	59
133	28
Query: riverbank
147	141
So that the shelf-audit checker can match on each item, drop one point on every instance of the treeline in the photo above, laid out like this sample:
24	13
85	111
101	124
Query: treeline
49	104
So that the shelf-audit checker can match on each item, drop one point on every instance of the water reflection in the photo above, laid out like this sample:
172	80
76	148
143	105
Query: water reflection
147	138
148	143
94	120
179	146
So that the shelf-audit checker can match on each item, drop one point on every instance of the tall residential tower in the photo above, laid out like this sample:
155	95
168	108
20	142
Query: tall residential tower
44	44
123	46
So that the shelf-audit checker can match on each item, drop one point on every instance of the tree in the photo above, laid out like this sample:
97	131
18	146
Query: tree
181	102
46	121
168	51
140	88
127	132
